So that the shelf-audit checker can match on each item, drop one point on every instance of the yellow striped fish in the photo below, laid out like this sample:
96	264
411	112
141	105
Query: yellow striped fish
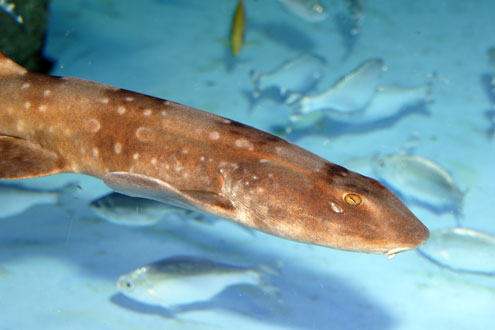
238	29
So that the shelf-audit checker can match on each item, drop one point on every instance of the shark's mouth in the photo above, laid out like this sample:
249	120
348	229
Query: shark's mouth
392	252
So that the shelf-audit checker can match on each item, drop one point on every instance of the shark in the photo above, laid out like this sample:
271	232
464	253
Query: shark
148	147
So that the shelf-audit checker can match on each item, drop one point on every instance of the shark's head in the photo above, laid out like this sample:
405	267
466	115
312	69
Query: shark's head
340	209
366	216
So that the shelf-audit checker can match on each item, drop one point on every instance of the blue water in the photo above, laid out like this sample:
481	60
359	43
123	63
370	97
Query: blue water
58	268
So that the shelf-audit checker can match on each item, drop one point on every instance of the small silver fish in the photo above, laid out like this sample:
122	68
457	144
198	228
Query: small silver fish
420	180
356	8
125	210
310	10
295	76
133	211
15	200
388	101
183	280
351	93
461	250
349	23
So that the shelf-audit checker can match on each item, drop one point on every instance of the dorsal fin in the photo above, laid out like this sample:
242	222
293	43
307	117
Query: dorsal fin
9	67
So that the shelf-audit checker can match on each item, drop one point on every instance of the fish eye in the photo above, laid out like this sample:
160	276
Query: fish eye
318	8
128	285
352	199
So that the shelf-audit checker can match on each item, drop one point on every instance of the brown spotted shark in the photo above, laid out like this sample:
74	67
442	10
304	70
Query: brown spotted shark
153	148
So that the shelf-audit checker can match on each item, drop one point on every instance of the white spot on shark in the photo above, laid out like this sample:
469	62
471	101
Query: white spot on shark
103	100
244	144
26	85
145	134
121	110
27	105
135	156
214	135
93	125
205	180
154	161
42	108
47	92
117	148
129	98
20	125
95	152
147	112
178	167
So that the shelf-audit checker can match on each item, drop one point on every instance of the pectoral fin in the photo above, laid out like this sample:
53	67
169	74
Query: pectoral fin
139	185
20	159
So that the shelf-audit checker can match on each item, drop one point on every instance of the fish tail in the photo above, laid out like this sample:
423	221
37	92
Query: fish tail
458	219
429	89
270	270
66	197
457	212
292	98
255	77
267	277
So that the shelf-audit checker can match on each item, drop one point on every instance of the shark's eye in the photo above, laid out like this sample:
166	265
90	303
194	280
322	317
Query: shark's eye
352	199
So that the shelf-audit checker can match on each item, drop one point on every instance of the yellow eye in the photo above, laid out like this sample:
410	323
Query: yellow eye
352	199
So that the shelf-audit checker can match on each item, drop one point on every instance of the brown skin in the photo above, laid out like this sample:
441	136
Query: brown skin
149	147
300	210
